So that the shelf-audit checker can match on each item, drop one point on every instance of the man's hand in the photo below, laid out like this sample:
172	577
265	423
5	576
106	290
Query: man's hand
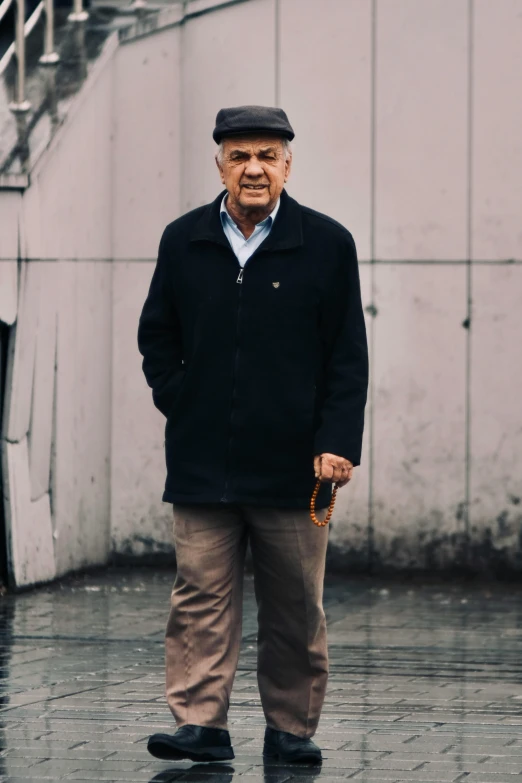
329	467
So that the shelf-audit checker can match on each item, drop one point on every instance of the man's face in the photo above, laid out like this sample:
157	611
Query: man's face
254	171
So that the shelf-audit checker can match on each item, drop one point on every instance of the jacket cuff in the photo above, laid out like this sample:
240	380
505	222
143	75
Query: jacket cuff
351	452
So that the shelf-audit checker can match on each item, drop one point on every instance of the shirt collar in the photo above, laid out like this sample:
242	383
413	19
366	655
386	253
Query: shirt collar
285	234
225	214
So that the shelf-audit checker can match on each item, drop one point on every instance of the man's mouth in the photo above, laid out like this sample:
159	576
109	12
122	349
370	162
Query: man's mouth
254	187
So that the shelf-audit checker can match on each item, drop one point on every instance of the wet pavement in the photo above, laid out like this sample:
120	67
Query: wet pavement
425	684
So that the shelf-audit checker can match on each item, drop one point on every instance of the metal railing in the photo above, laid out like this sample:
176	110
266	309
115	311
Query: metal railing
4	8
49	57
79	14
23	29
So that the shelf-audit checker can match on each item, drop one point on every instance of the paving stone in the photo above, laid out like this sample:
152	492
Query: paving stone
415	775
419	690
489	777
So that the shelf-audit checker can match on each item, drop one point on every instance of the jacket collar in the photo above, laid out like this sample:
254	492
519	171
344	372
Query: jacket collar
287	231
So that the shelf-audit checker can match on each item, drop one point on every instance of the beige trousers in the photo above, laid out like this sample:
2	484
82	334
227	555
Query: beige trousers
204	629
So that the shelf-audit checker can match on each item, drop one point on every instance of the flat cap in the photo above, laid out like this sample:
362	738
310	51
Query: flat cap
251	119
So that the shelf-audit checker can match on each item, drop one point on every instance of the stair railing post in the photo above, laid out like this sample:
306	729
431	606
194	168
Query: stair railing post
139	6
20	104
78	14
49	57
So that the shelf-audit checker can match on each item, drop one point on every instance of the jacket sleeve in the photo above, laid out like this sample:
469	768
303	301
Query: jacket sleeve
159	336
345	369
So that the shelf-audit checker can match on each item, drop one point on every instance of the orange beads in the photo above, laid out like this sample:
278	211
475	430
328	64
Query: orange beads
330	507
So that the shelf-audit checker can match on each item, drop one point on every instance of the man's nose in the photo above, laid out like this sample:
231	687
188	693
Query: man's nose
253	168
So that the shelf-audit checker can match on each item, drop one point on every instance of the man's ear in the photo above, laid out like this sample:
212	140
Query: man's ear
288	166
220	169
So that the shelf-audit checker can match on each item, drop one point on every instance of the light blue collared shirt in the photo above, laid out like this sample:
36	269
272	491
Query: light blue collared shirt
243	248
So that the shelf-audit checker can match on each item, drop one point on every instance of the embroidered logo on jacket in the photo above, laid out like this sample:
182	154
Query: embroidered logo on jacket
276	285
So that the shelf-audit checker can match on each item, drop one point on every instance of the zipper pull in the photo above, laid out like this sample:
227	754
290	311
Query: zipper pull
240	276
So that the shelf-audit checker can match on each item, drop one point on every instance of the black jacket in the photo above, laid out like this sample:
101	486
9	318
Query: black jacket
255	377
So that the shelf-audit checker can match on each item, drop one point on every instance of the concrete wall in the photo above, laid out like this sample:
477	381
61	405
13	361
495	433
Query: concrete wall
147	187
406	132
406	124
56	423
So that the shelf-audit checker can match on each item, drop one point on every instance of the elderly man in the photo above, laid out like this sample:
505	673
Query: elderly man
254	345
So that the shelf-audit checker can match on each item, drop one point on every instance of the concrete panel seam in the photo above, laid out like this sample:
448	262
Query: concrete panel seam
373	184
469	291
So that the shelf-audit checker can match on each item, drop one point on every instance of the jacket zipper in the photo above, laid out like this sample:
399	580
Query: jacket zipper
239	280
232	403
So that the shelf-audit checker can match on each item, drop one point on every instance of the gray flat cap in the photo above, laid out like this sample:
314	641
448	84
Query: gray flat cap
252	119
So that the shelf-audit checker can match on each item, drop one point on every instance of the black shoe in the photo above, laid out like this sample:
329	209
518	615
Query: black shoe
197	743
287	747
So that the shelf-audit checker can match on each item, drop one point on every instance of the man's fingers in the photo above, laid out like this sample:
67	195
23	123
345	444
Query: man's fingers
327	471
329	467
337	473
346	477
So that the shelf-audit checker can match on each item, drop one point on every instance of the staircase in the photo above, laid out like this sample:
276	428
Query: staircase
29	121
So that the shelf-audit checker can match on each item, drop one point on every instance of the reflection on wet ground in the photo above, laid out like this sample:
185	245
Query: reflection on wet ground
425	684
